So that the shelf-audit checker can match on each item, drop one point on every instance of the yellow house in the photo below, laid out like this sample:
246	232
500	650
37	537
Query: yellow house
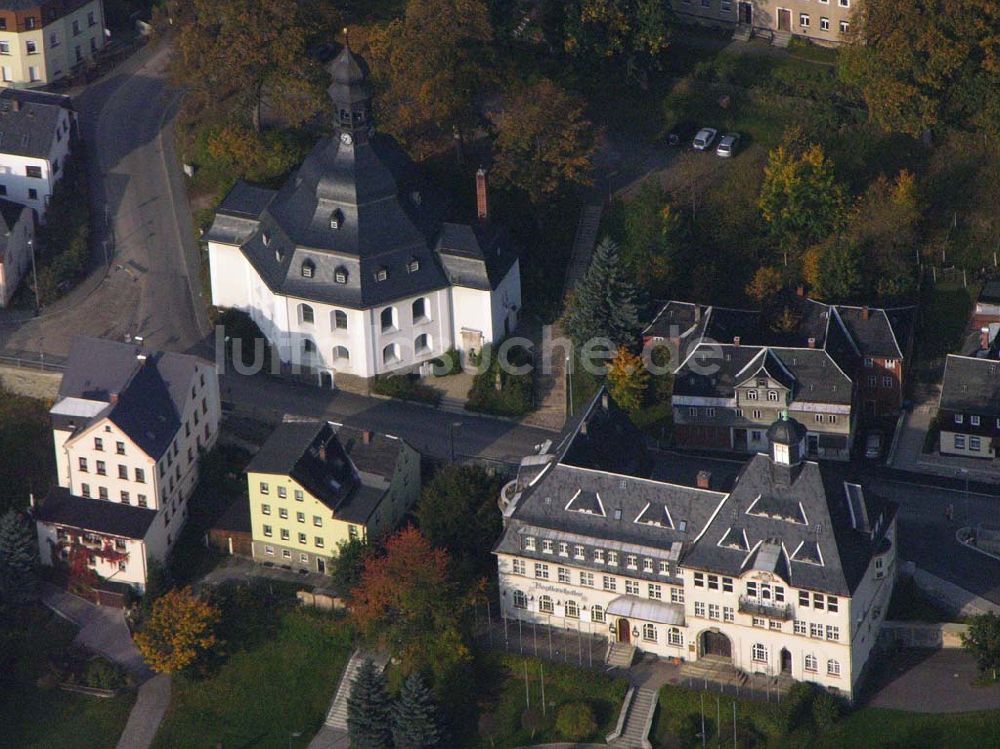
315	484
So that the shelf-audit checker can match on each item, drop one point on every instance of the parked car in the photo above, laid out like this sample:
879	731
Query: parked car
728	145
873	446
682	132
704	139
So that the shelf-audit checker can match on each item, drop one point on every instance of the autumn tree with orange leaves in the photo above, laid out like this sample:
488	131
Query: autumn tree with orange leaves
408	604
179	632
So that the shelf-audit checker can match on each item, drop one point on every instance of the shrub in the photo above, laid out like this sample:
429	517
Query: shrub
576	721
532	721
449	363
406	387
100	674
825	710
515	395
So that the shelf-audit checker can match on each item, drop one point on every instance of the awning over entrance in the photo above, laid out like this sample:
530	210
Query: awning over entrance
646	610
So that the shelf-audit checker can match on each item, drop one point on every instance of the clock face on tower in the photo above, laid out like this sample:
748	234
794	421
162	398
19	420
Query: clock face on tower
346	139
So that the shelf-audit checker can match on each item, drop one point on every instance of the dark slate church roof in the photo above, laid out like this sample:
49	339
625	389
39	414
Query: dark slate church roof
357	210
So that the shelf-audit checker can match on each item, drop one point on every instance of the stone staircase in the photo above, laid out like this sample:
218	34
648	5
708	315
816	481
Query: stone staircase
781	38
336	717
743	33
583	243
633	731
620	654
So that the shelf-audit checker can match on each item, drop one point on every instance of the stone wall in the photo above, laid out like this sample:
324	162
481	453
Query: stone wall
922	634
30	382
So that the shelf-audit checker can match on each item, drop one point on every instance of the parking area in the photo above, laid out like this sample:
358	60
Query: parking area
931	681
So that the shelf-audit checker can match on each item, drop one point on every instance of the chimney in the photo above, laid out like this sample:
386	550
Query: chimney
800	290
114	398
697	313
865	312
482	198
604	401
322	452
15	104
583	427
812	342
704	479
366	437
736	341
984	339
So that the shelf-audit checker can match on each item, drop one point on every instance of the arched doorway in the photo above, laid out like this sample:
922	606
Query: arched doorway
786	662
624	633
716	644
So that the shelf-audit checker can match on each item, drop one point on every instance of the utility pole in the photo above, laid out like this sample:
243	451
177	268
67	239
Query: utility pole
541	674
527	692
704	738
34	274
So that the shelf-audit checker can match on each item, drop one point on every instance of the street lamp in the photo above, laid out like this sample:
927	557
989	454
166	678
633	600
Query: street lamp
34	273
293	735
451	435
965	472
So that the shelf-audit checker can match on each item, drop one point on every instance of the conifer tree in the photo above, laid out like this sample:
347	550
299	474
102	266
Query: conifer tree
369	711
605	302
18	558
414	717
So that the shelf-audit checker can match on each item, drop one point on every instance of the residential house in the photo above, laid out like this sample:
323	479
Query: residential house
969	407
129	426
35	133
825	22
315	484
830	365
349	268
17	236
42	41
784	566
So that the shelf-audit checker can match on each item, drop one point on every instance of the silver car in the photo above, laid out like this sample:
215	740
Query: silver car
728	145
704	139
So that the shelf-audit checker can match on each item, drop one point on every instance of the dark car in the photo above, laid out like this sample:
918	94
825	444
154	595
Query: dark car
682	133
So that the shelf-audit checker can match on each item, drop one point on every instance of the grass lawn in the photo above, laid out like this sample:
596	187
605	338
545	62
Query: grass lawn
563	684
943	321
35	718
871	728
279	685
26	444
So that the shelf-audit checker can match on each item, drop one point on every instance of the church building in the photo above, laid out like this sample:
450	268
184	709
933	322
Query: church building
350	267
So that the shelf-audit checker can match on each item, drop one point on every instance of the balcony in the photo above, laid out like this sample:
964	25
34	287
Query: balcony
769	609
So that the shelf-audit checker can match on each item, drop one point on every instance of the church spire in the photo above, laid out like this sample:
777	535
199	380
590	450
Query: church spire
351	93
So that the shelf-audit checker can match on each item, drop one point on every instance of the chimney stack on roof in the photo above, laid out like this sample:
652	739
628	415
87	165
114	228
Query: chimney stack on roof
114	398
736	341
865	312
322	452
15	104
482	196
366	437
697	313
800	290
812	342
984	339
704	479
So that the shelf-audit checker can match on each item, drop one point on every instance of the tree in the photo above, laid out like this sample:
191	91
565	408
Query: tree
458	512
251	155
800	198
430	64
408	604
179	631
928	64
982	640
348	564
634	31
414	716
369	711
18	558
576	721
628	381
605	302
544	142
839	278
241	51
650	228
766	284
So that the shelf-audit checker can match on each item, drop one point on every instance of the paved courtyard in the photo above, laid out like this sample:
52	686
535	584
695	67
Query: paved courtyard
932	681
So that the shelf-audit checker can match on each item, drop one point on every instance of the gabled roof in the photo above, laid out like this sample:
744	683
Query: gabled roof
144	392
878	332
97	515
476	257
29	120
971	384
678	319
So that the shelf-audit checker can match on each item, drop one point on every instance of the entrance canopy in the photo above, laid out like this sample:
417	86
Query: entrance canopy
646	610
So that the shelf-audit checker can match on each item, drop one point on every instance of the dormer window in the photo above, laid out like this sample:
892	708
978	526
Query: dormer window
340	275
413	266
382	274
308	269
336	219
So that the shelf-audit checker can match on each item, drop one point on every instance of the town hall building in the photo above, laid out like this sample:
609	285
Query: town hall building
350	267
784	567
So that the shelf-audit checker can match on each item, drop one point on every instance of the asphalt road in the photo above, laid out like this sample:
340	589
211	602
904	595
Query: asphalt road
135	181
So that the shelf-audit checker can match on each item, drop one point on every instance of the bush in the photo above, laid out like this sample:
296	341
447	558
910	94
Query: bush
101	674
449	363
405	387
532	721
576	721
515	396
825	711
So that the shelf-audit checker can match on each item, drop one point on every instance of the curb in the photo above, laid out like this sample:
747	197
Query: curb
462	412
967	545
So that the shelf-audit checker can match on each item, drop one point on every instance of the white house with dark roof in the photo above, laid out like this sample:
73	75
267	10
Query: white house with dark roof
969	407
17	233
129	426
349	268
784	566
35	134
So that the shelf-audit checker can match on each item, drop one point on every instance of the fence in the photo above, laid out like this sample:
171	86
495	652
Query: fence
32	360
